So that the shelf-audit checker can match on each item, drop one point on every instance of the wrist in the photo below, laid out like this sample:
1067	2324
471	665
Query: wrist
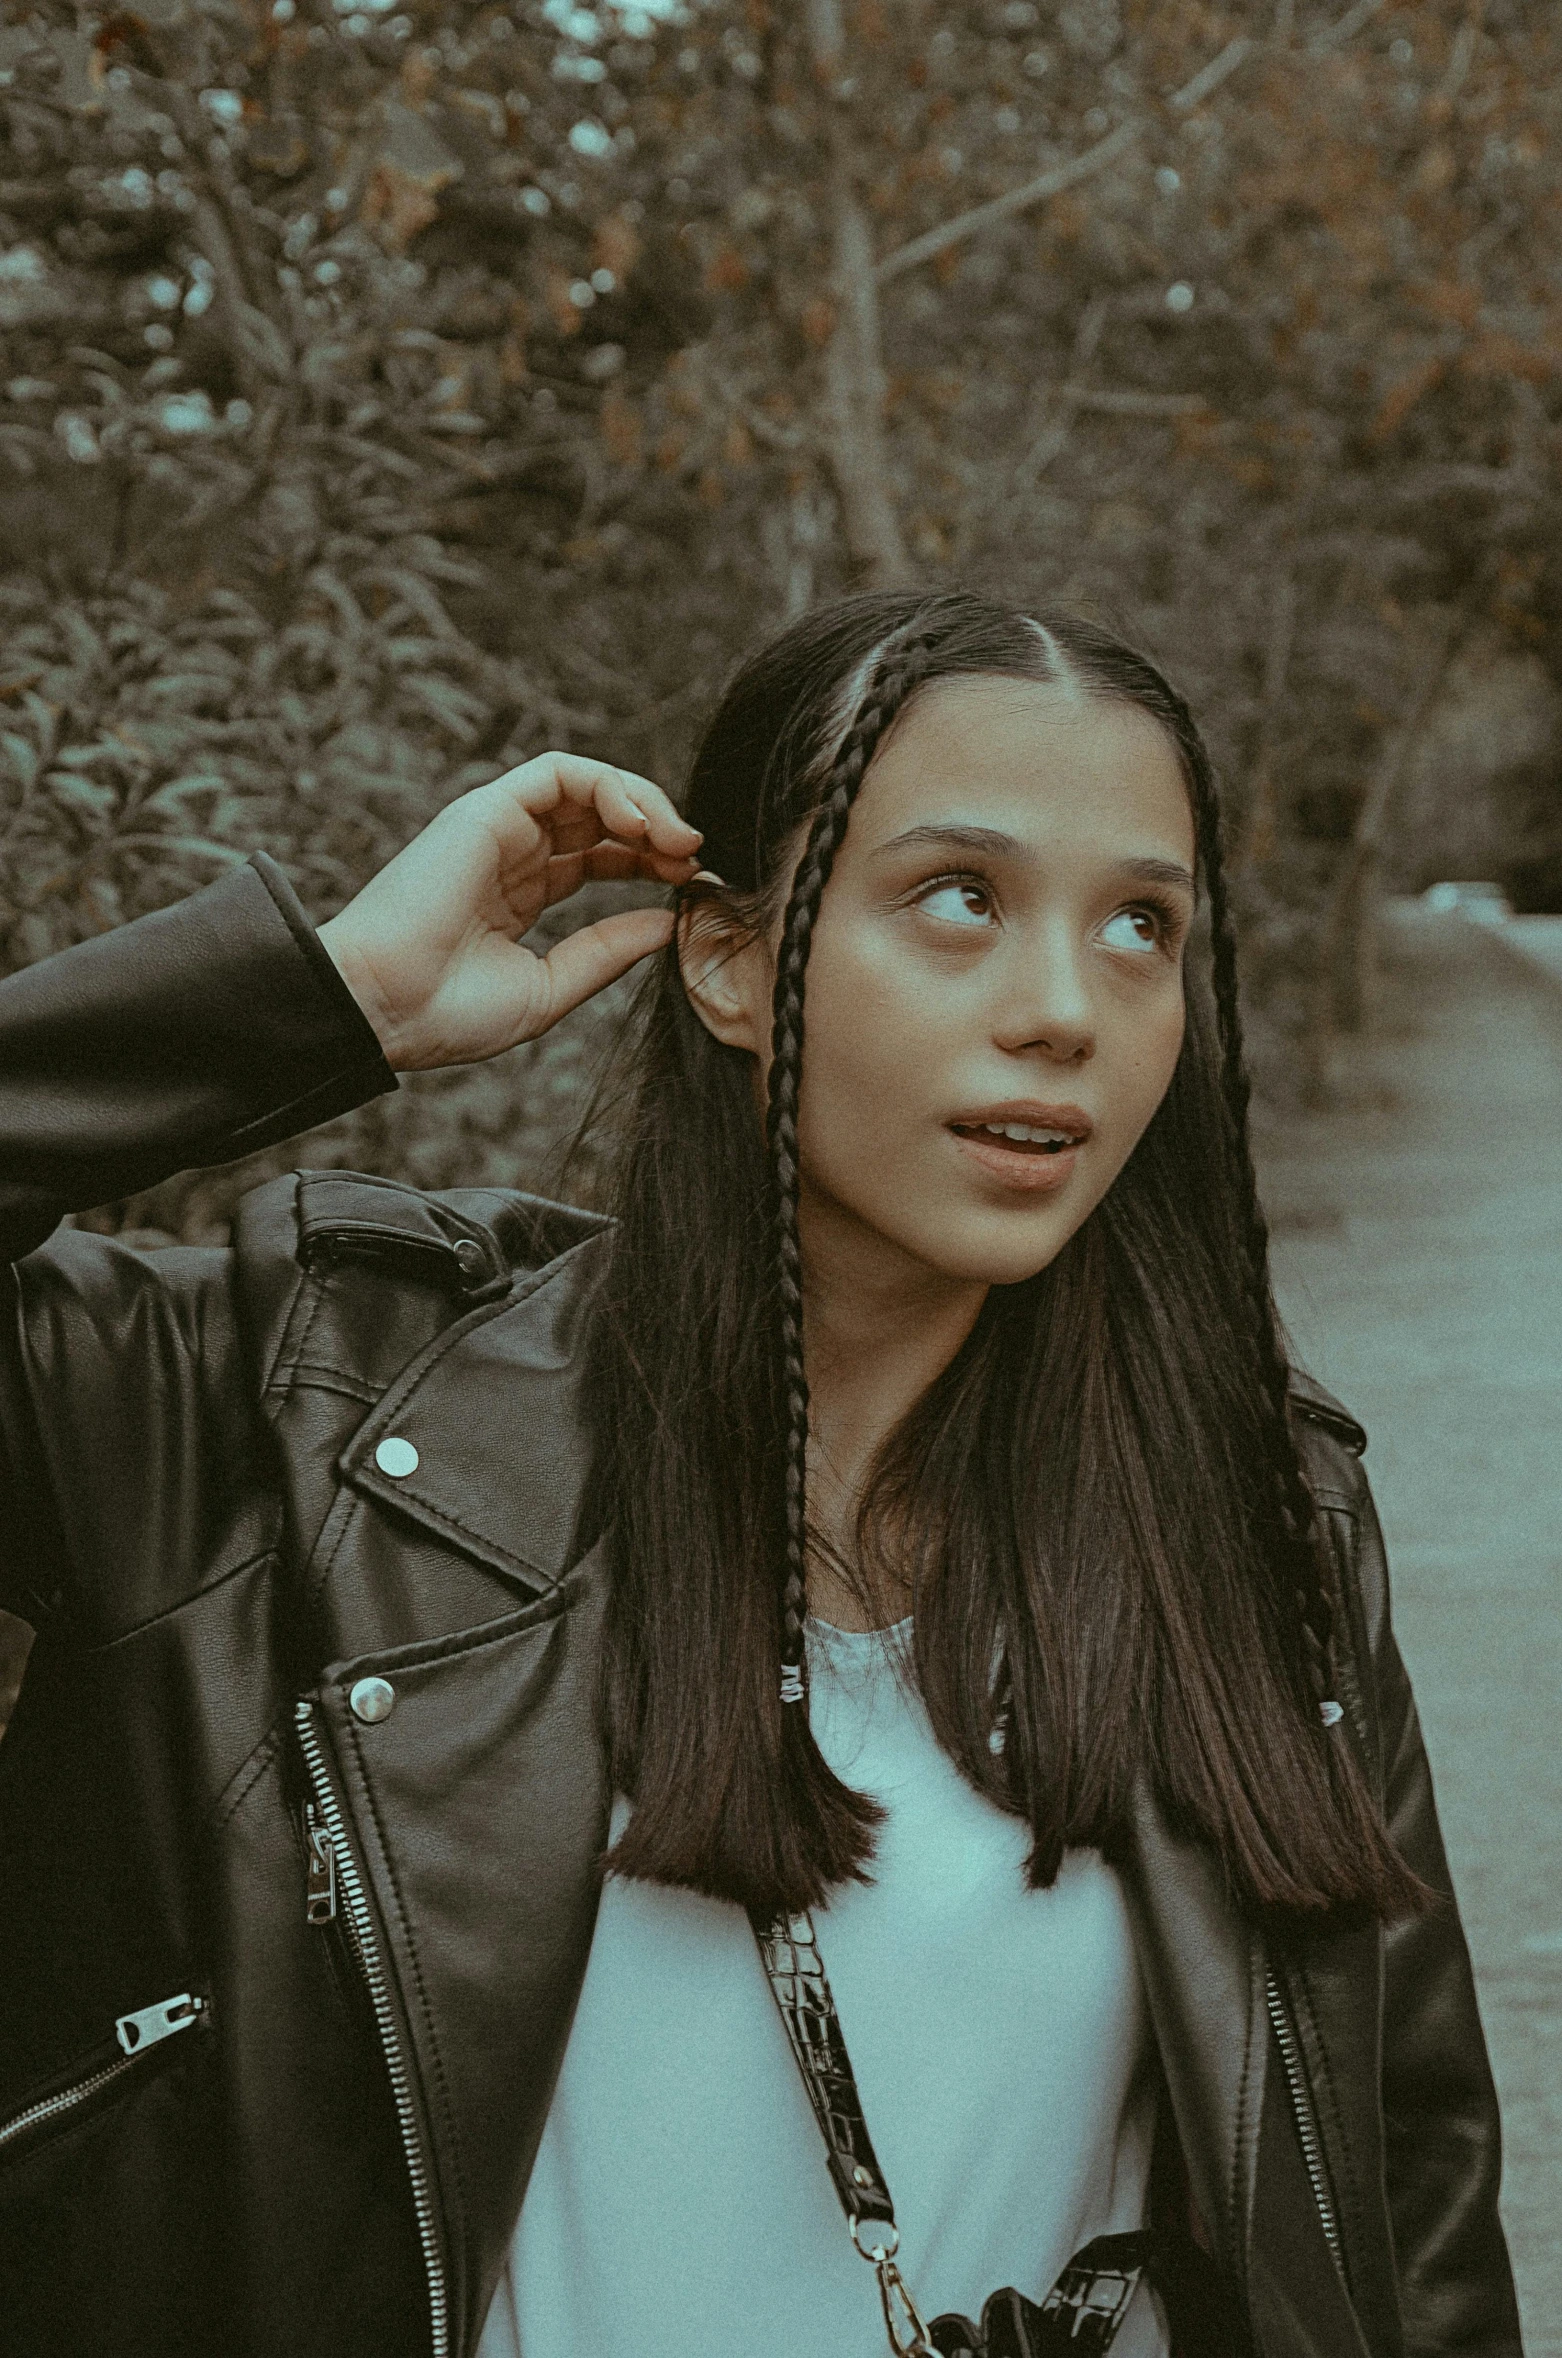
359	976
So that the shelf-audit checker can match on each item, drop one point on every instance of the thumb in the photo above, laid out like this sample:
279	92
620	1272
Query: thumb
586	962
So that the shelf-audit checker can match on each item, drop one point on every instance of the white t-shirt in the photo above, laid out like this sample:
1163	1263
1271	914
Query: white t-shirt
680	2205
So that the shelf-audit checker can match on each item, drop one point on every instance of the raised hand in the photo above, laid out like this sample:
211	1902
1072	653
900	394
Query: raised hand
430	948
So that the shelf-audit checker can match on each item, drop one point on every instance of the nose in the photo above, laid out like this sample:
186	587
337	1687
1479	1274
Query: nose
1042	998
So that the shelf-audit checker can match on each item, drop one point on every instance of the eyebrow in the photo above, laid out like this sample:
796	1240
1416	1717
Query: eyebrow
998	845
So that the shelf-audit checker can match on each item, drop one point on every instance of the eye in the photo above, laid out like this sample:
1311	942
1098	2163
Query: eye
1140	928
958	900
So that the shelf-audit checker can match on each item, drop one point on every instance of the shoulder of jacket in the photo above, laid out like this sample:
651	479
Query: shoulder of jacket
301	1242
476	1239
1330	1442
1314	1409
1314	1406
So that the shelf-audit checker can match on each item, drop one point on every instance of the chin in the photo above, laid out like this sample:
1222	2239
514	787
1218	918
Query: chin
972	1255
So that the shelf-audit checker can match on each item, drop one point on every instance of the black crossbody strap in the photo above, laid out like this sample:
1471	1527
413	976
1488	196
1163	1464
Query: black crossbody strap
1090	2299
801	1990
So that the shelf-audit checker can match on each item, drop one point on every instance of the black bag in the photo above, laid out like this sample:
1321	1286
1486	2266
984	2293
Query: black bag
1086	2306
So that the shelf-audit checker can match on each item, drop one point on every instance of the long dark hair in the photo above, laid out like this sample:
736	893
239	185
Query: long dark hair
1101	1496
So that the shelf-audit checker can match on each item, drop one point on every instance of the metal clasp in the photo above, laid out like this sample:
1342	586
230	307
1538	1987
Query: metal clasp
901	2314
903	2320
151	2023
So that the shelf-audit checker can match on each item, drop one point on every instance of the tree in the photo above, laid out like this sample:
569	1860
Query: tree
381	385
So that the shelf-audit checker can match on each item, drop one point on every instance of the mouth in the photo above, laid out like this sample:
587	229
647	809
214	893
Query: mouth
1019	1137
1024	1146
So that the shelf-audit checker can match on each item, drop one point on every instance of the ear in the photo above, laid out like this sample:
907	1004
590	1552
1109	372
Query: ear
726	971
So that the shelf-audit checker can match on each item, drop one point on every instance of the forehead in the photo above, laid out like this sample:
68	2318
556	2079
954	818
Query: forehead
1036	758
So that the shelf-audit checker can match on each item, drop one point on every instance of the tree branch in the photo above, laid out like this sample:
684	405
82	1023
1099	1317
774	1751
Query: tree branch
1135	405
1033	192
1344	28
1461	56
1061	176
1053	438
1204	83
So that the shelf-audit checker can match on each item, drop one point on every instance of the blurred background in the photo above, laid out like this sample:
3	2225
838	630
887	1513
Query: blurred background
391	392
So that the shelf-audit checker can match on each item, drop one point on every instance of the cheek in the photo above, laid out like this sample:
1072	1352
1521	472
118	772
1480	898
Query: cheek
872	1046
1149	1045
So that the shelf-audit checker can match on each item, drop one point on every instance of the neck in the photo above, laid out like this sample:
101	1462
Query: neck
879	1329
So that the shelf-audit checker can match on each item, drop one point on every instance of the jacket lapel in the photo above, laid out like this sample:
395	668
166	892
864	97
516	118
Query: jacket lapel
492	1410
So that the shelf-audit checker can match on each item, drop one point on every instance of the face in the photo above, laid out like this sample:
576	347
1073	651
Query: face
994	1000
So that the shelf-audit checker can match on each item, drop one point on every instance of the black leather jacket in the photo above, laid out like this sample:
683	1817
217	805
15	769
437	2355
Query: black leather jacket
374	1918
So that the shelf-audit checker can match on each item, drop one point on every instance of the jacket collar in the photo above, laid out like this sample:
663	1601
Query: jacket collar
492	1409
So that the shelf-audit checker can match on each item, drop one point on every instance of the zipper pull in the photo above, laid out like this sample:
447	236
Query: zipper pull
151	2023
320	1901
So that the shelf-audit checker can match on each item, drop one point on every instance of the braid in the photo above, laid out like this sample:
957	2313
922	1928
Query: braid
1311	1595
894	676
891	681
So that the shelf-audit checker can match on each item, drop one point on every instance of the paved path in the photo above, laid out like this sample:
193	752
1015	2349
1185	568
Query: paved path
1536	939
1419	1264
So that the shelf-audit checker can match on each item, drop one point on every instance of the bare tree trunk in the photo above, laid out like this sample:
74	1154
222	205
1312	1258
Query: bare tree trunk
1346	968
1258	831
854	437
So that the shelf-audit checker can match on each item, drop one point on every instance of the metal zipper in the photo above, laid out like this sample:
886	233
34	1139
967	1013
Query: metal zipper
349	1894
135	2033
1306	2126
320	1891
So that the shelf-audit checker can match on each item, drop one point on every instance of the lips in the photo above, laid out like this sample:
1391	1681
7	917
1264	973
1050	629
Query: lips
1026	1127
1024	1144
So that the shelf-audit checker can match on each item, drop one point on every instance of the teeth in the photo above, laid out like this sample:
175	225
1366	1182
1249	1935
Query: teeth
1026	1135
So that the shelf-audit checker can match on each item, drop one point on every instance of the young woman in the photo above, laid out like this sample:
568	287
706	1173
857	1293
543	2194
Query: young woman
817	1767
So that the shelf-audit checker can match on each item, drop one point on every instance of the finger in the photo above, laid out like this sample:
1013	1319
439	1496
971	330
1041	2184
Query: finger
610	863
591	836
575	828
565	874
605	863
613	863
630	805
586	962
654	867
628	802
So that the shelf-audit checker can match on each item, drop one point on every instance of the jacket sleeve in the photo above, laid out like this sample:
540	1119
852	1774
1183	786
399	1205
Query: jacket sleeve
188	1038
1443	2134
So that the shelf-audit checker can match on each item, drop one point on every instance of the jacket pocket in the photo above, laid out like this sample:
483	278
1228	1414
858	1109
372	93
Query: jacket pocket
95	2077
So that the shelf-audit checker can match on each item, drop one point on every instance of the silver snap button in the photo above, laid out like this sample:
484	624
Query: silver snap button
372	1699
471	1259
396	1457
861	2177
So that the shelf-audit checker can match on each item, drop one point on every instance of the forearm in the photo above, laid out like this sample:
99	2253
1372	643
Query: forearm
190	1037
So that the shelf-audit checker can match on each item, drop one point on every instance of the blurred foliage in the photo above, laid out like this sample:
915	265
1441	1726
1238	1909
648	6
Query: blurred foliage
390	392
